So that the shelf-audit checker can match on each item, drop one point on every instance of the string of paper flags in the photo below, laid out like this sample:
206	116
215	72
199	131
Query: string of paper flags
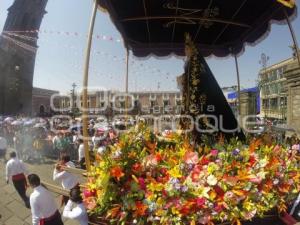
66	33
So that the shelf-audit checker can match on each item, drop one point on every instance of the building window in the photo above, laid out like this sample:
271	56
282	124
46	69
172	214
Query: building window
136	102
166	103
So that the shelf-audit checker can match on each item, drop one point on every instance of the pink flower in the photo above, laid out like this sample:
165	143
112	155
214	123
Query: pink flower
191	158
256	180
142	183
229	195
152	160
89	193
204	219
214	152
200	202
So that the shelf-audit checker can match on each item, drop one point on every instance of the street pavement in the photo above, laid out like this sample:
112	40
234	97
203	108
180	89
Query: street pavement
12	209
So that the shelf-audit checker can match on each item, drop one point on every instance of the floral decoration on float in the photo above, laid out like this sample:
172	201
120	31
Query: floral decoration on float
146	179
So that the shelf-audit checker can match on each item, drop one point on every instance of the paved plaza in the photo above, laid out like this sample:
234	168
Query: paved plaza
12	209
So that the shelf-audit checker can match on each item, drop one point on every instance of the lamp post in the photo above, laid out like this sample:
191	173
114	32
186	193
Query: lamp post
263	61
73	98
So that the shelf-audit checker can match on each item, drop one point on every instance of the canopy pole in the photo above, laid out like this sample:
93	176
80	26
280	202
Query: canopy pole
85	85
127	69
293	35
126	81
239	88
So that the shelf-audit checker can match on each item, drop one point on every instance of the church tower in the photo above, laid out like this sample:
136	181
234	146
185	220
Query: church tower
18	46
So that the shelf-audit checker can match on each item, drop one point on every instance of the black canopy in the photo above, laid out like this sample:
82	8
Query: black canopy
218	27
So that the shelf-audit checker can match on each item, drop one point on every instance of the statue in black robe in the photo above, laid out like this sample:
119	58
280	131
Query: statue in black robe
204	100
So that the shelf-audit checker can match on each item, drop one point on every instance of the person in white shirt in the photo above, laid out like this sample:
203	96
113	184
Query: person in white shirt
75	208
43	207
15	171
3	147
68	181
81	155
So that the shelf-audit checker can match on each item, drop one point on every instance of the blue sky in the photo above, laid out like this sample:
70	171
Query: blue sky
60	56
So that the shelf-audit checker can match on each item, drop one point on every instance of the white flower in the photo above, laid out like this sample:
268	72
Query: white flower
262	174
212	180
263	162
276	181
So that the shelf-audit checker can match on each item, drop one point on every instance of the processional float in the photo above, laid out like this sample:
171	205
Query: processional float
195	29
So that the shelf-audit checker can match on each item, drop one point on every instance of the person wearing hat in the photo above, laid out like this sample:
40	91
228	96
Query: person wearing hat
43	207
75	209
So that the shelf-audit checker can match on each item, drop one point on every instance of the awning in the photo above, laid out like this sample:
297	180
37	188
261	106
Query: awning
218	27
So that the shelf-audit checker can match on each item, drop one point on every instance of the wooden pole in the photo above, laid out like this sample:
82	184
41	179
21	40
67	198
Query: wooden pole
239	87
85	85
293	36
127	69
126	82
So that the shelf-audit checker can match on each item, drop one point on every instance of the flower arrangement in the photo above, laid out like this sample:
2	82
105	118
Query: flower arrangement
144	179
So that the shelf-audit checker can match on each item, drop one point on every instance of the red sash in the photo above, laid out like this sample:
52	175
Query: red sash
18	177
288	219
44	220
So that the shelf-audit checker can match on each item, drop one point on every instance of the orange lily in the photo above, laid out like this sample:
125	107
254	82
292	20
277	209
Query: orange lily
117	172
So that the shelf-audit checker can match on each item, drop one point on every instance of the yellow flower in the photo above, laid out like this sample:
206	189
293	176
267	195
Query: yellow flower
212	167
175	172
249	206
155	187
202	192
175	211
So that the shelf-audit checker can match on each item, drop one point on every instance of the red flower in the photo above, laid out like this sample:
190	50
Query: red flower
140	209
204	161
219	191
142	183
164	193
252	160
136	168
185	209
117	172
89	193
218	208
200	202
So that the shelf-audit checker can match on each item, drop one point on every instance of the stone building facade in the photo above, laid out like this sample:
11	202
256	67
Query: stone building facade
41	101
272	90
292	75
17	55
113	102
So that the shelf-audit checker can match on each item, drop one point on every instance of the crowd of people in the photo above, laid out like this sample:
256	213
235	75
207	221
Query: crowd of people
35	144
41	202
